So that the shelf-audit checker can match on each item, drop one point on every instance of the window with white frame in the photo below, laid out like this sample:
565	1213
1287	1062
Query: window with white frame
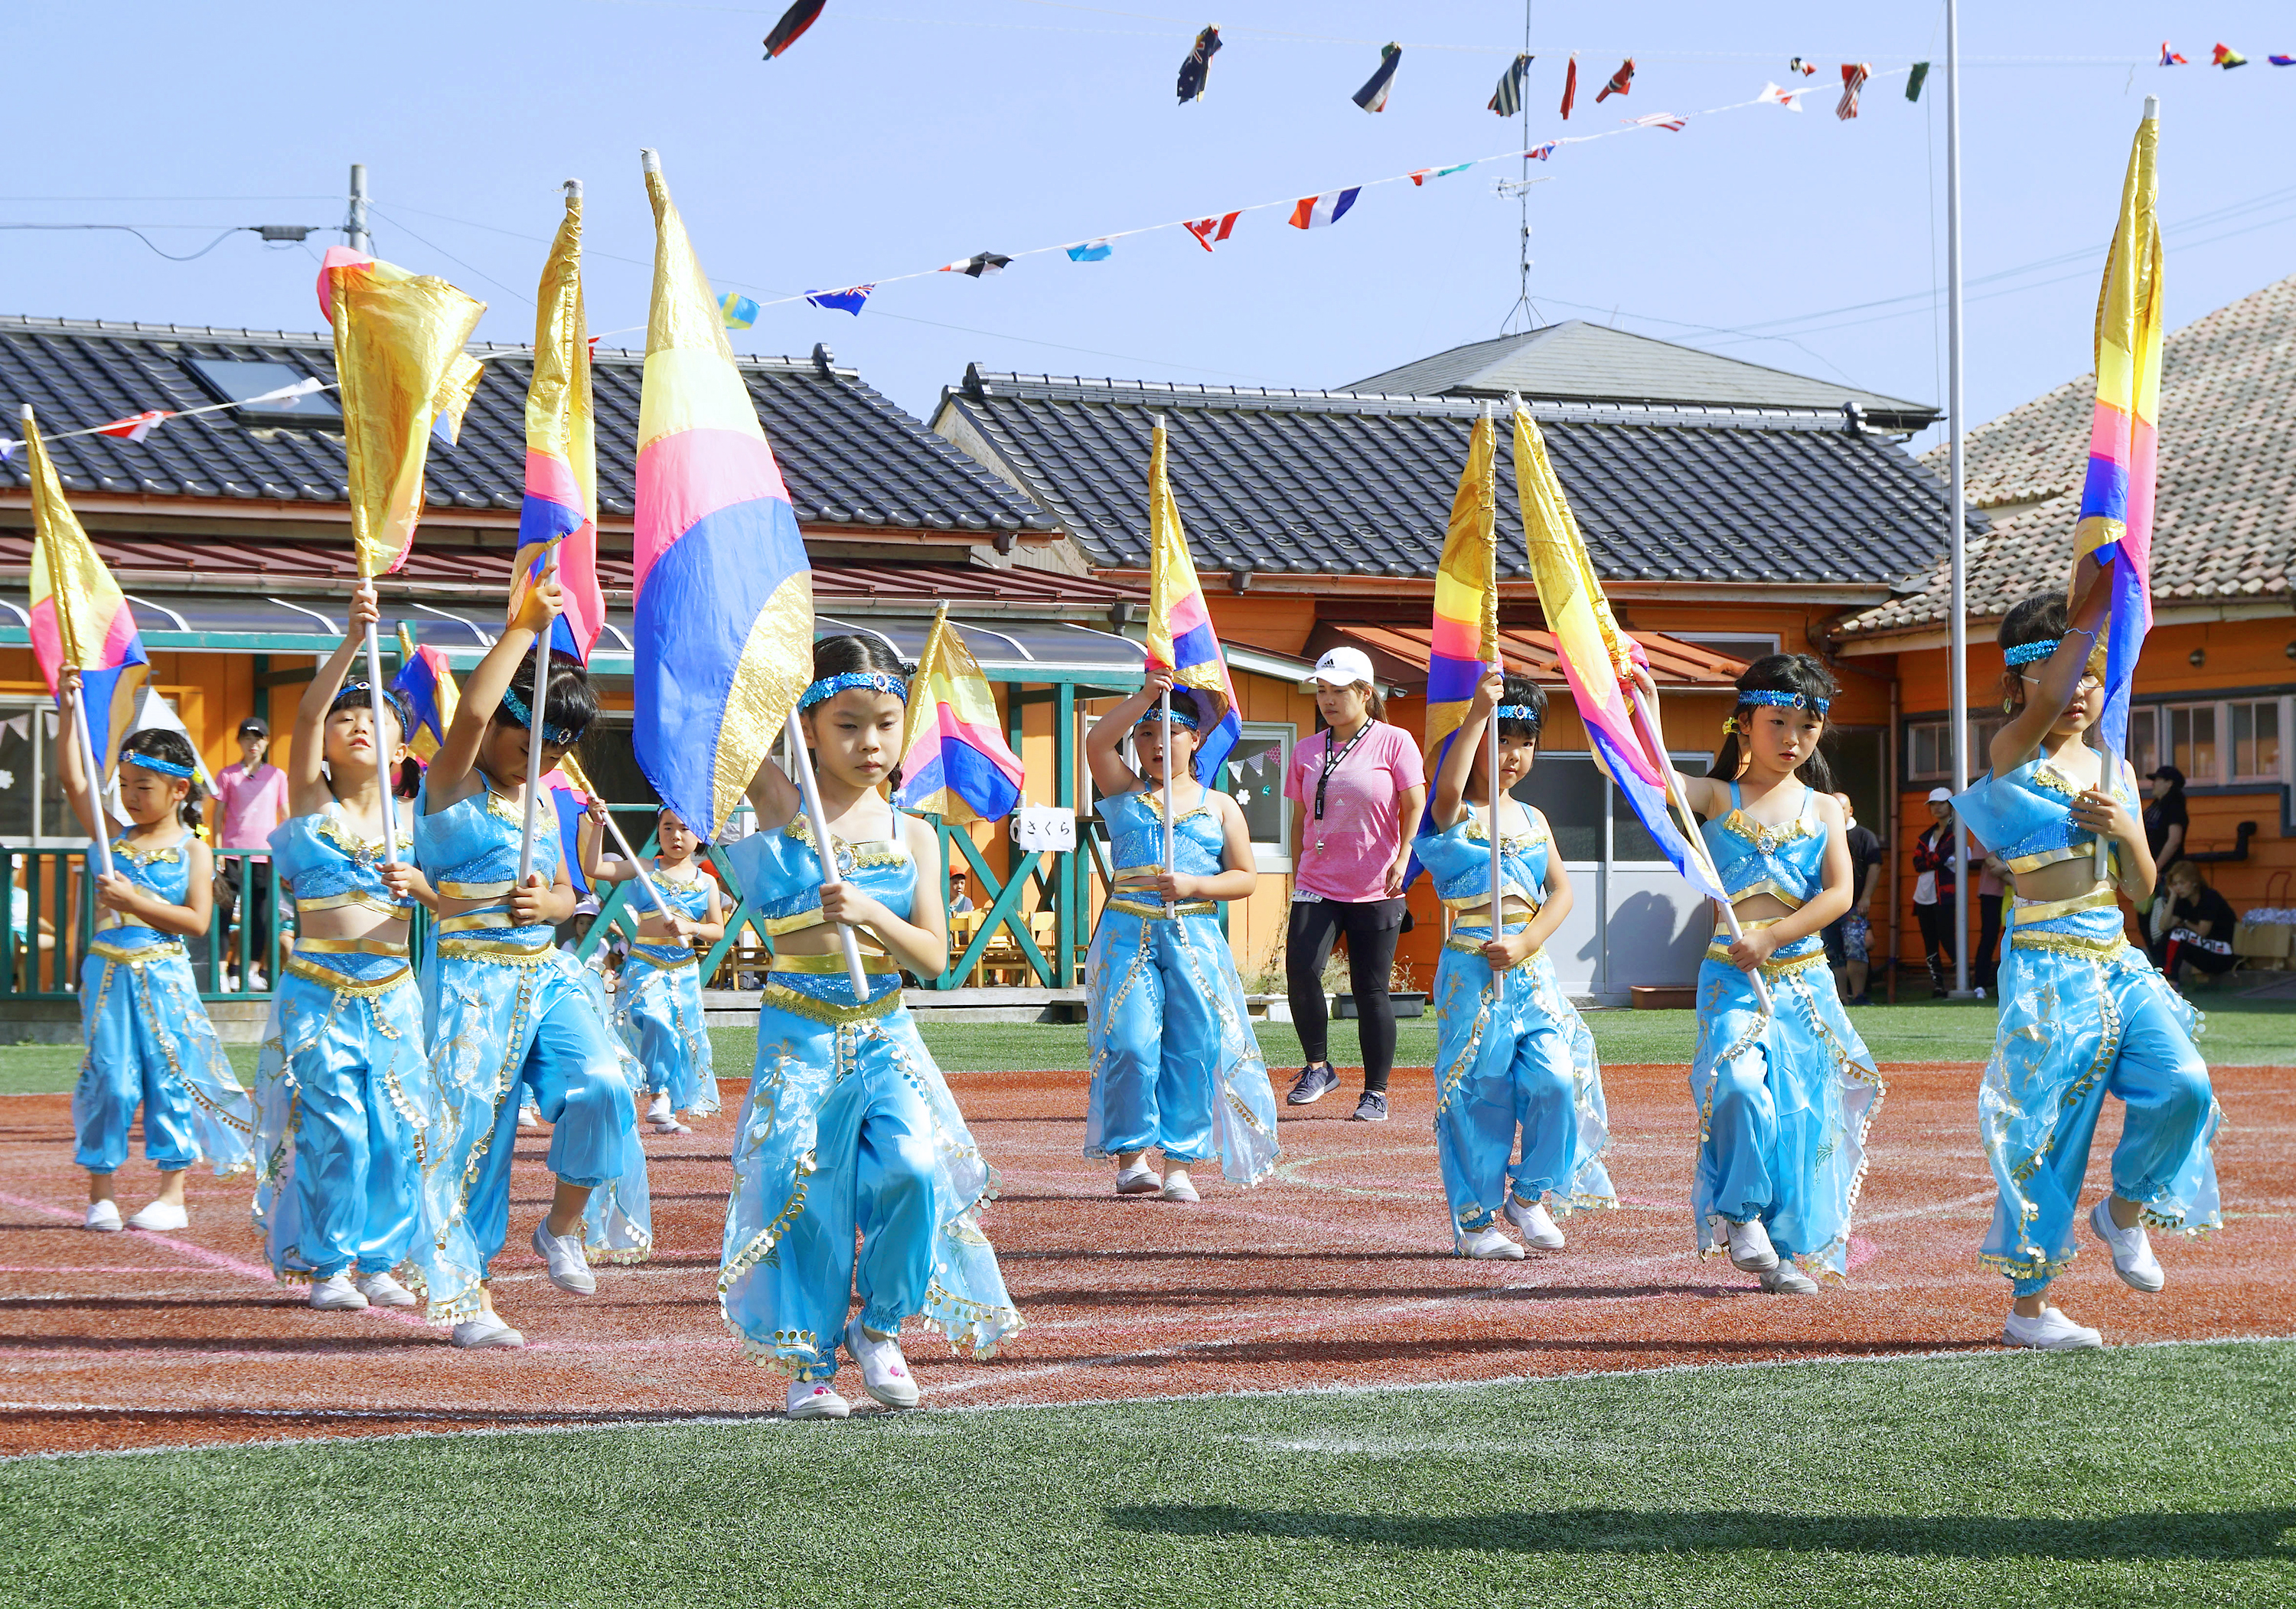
1929	748
32	808
2255	739
1255	778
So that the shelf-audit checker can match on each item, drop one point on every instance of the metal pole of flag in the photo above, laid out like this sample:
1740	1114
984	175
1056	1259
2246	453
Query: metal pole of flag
631	855
1958	660
1491	746
375	707
573	189
1171	843
1692	838
824	852
94	774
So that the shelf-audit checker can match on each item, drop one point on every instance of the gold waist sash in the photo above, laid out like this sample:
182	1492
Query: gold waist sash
830	965
350	947
2077	851
2098	898
136	957
356	897
311	972
475	890
497	916
1474	946
1148	912
661	963
782	997
496	950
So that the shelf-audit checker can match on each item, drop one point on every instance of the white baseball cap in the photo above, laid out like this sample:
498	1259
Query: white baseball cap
1941	795
1345	667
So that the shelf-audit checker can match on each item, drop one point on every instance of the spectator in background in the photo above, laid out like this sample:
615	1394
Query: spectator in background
1933	889
960	902
1848	939
2168	821
2200	929
251	801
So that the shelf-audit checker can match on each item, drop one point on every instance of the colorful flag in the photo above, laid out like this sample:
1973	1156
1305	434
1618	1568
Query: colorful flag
1791	99
955	761
1372	95
1805	67
80	616
794	22
1569	88
557	524
135	426
1465	647
1854	74
1506	99
979	265
2170	58
1594	653
1314	211
1622	82
737	311
571	801
1657	119
429	687
1420	175
1180	625
399	360
1209	229
1915	80
724	596
1539	153
1091	252
2227	57
850	299
1197	70
2281	61
2115	528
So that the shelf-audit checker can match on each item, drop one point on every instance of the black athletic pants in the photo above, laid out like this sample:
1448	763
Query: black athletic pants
1371	927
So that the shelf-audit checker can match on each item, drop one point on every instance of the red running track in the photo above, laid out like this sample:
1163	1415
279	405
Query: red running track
1335	1272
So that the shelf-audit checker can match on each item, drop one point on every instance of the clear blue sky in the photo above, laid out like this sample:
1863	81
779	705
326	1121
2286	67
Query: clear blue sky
902	133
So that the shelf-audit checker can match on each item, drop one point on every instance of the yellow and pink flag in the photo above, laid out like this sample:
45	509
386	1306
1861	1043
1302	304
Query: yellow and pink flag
954	762
2115	532
1595	653
558	522
399	360
80	616
1465	646
1180	633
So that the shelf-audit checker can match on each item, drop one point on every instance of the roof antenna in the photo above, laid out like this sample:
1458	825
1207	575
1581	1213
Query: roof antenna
1521	188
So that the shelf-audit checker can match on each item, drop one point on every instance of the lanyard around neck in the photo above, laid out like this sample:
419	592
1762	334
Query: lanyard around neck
1332	756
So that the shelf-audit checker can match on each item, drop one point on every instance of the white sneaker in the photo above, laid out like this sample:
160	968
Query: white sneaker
569	1270
1538	1229
2131	1249
2052	1331
1178	1186
671	1125
336	1294
1138	1180
1489	1244
884	1372
658	1108
486	1330
1787	1280
813	1400
1750	1251
256	981
103	1215
528	1118
161	1217
384	1292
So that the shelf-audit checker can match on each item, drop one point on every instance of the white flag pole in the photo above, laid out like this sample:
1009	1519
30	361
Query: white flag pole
375	707
1171	837
1693	837
94	781
631	855
824	852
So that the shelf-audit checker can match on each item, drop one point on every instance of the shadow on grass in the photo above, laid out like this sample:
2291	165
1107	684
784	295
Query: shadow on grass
2239	1534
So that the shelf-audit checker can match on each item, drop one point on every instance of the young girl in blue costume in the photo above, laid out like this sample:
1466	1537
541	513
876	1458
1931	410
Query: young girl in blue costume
2083	1012
148	1040
847	1124
1785	1095
1511	1051
343	1086
658	1011
505	1008
1173	1063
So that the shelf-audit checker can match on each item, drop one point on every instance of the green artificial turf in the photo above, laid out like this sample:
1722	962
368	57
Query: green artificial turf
2241	1033
2148	1476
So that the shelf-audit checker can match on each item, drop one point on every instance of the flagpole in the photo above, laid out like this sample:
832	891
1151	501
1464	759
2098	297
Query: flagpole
631	855
1957	660
1171	836
1491	731
534	735
87	763
824	852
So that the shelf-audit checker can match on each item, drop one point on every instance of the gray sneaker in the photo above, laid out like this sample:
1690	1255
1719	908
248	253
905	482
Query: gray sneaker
1317	1080
1370	1109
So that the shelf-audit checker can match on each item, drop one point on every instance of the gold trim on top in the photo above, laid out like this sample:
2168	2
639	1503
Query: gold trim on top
350	947
641	952
2074	944
830	966
1155	912
136	957
1764	837
782	997
306	905
1769	885
305	970
470	921
2096	898
474	890
2041	857
495	949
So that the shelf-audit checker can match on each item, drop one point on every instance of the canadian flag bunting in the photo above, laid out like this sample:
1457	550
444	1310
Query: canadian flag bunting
1209	229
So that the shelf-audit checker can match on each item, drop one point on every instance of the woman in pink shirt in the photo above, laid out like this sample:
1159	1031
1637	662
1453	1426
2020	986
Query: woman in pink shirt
1356	790
251	804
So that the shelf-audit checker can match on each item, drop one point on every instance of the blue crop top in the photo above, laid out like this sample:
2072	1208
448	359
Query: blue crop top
468	851
1459	859
2025	818
165	873
688	899
325	863
781	874
1135	830
1787	862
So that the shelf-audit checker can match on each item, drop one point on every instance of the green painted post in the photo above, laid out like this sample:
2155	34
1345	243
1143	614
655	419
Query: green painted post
1066	925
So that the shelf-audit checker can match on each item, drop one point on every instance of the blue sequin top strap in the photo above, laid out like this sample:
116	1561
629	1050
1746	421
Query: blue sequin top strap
1786	862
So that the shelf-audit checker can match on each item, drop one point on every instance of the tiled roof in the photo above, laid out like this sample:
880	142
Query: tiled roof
1578	361
1675	664
2224	523
1333	483
849	456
